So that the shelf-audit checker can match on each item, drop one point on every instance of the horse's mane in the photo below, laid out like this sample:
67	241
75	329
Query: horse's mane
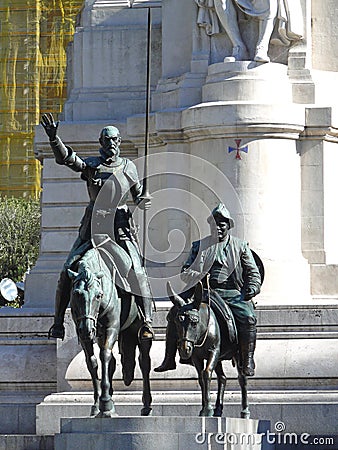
92	259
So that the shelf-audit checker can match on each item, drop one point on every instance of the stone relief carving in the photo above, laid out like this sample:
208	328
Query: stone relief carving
279	22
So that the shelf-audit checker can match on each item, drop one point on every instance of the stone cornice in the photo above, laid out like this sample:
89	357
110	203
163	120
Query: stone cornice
321	124
126	3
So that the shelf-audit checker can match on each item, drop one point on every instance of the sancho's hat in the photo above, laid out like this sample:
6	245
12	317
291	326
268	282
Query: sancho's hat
222	211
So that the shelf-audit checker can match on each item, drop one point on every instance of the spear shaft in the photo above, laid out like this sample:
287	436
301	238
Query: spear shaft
145	191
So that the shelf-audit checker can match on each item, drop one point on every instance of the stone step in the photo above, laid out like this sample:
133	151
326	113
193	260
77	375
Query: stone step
313	412
152	433
26	442
18	412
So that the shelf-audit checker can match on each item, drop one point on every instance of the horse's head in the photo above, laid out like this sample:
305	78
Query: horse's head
86	298
190	325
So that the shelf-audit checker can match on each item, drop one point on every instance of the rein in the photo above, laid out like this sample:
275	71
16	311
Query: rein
206	331
205	334
96	247
102	313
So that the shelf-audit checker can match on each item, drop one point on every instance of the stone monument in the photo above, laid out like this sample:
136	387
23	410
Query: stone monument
267	129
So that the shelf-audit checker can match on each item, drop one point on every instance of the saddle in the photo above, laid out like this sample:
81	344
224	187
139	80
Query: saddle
226	323
115	257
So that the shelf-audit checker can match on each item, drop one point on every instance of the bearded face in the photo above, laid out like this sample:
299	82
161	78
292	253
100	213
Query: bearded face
110	141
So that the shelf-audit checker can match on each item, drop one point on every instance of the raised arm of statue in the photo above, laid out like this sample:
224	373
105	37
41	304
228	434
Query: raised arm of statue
64	155
49	125
286	16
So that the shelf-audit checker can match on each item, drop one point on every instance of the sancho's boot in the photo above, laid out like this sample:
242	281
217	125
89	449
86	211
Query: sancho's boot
62	294
169	362
247	342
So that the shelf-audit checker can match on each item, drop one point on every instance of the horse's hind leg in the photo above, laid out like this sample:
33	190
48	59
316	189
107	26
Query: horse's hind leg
127	348
221	381
145	365
245	413
92	366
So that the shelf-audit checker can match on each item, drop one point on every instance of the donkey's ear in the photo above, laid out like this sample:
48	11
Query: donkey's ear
198	296
175	298
72	274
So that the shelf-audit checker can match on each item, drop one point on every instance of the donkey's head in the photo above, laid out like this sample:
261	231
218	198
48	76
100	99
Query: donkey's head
189	323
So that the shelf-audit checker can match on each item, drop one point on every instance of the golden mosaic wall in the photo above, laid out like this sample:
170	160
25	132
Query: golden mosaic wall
34	35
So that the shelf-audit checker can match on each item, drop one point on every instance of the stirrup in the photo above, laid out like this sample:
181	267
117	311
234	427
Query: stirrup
146	331
56	331
248	369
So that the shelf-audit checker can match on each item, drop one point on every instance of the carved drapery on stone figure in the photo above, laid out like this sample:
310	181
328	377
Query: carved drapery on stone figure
280	21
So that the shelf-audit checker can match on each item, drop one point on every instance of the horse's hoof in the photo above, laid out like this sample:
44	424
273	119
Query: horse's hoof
245	415
218	412
206	412
146	411
56	331
107	414
94	411
128	378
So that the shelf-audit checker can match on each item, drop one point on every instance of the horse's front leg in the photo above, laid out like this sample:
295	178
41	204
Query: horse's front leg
107	407
92	367
242	379
221	381
145	365
108	363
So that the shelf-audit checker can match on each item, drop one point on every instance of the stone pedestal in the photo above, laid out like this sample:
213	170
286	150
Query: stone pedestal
295	379
167	433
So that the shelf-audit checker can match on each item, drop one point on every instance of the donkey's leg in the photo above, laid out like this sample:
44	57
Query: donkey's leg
92	366
242	379
204	377
145	365
221	381
199	368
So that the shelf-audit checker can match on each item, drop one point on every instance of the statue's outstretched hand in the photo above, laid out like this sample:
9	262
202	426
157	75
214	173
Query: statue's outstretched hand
48	123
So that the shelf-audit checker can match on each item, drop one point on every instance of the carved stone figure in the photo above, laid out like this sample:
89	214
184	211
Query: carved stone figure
283	15
230	268
120	174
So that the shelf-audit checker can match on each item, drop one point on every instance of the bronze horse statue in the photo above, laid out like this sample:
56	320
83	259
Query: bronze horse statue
203	343
99	313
